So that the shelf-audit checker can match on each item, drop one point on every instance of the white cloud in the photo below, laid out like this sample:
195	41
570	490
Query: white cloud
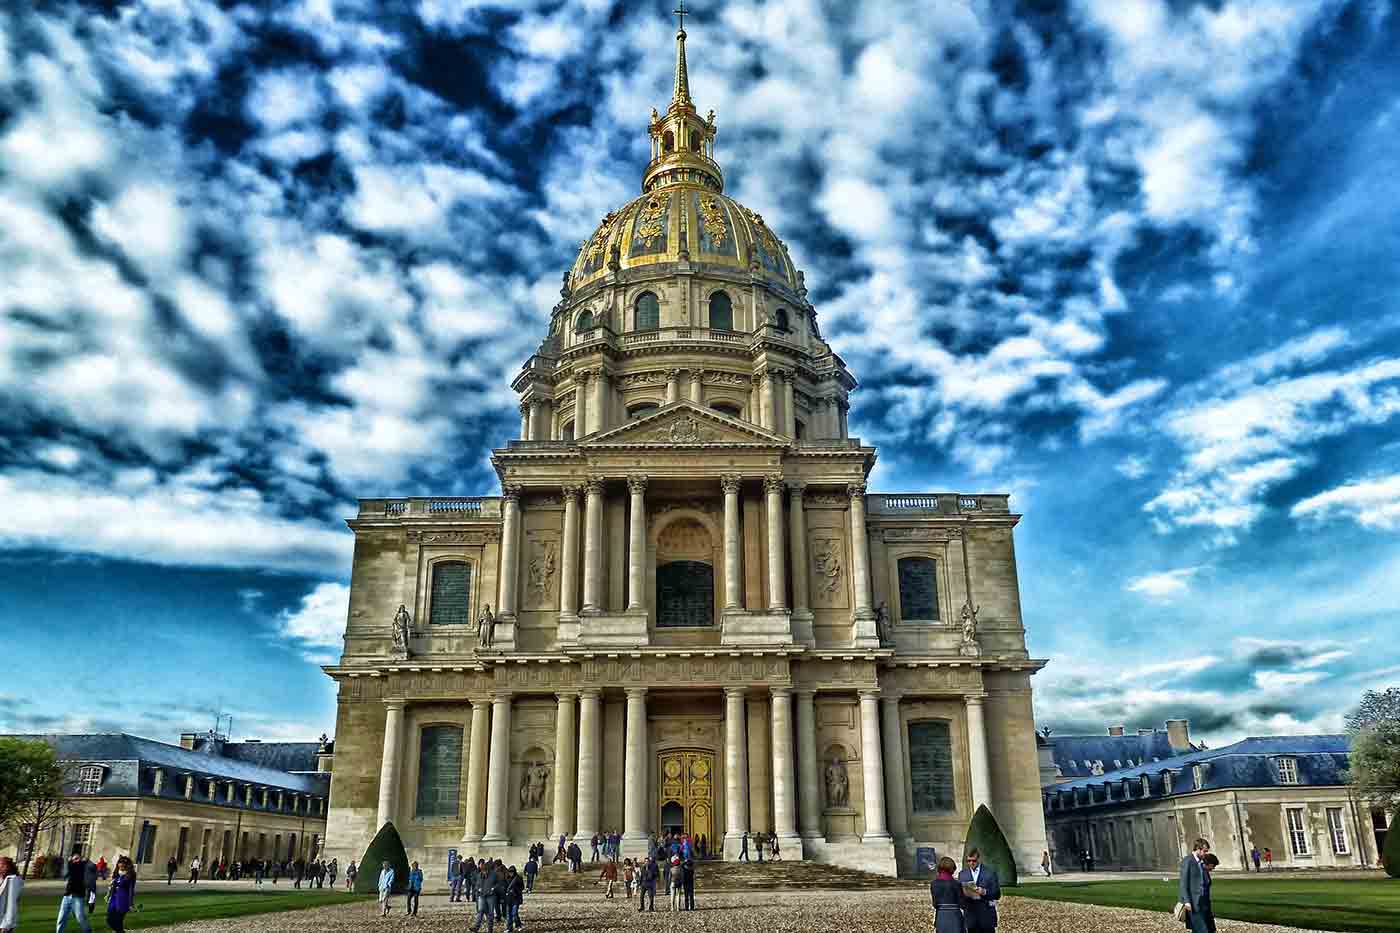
282	98
1133	467
1164	584
1371	503
318	624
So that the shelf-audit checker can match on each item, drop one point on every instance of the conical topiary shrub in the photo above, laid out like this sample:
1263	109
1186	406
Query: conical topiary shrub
385	847
1390	855
984	835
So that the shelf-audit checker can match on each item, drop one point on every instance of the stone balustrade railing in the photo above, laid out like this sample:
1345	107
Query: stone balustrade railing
438	507
945	503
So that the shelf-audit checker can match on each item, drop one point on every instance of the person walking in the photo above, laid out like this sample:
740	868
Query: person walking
1045	862
485	898
386	885
532	868
608	876
947	894
122	895
454	880
332	871
515	897
688	884
415	890
744	847
650	874
981	891
11	887
90	882
629	877
194	870
1268	858
74	901
1255	856
171	867
1193	889
350	872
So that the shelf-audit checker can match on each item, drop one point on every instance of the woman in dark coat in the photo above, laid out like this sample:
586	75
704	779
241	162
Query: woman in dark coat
122	895
947	898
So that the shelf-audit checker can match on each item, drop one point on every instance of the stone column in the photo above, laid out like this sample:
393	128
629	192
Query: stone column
789	407
767	416
590	727
477	777
797	518
777	571
784	778
892	733
565	780
498	791
733	597
809	789
525	421
841	412
635	791
598	405
510	551
389	765
593	546
756	401
736	771
697	386
673	386
872	771
860	552
539	426
581	379
637	545
977	761
568	558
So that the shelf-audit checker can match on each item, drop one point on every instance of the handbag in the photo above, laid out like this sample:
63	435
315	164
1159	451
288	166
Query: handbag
1180	911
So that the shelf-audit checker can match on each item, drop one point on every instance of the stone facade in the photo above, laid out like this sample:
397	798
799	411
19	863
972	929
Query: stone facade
698	615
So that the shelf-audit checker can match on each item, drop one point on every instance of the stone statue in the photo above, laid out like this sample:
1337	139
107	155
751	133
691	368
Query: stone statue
655	117
399	631
564	289
532	785
882	626
485	628
614	257
969	646
838	784
710	118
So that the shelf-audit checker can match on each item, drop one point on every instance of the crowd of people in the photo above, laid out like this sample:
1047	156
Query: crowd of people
313	873
965	901
79	899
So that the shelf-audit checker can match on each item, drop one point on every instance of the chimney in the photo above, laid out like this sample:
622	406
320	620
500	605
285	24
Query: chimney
1146	731
188	740
1115	730
1179	734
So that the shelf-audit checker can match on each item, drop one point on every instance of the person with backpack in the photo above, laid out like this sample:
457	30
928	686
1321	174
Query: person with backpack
415	890
75	892
515	897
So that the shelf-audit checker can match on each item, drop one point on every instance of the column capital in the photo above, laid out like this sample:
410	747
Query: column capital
740	692
974	699
637	483
525	407
593	484
869	693
730	482
502	696
478	702
583	376
780	691
773	482
397	704
797	489
805	691
511	493
636	692
855	490
590	693
891	696
567	696
674	373
570	492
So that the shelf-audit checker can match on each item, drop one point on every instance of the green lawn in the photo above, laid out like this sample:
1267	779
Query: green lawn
1359	905
159	906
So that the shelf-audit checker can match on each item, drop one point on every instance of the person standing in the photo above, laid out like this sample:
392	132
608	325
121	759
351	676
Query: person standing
532	868
350	873
647	882
194	870
11	886
1193	889
947	898
415	890
515	897
688	883
90	882
171	867
74	901
981	891
1268	858
122	895
675	887
332	871
386	884
454	880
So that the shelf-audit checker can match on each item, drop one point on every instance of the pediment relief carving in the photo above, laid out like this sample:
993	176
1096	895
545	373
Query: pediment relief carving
684	424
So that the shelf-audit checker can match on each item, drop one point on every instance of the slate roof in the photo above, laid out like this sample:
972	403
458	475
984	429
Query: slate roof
279	756
1075	754
1252	762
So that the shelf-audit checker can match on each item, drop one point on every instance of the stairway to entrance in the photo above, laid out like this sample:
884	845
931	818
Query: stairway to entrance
739	876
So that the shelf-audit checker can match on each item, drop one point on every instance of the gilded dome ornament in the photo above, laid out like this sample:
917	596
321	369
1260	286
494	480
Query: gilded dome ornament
712	220
649	227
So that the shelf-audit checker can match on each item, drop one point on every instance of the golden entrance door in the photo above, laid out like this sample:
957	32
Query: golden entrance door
686	798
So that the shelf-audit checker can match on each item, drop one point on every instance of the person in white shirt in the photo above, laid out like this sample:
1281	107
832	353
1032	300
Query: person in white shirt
11	886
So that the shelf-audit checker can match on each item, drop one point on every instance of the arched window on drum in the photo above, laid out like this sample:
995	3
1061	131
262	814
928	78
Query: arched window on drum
721	312
450	593
782	320
647	312
584	322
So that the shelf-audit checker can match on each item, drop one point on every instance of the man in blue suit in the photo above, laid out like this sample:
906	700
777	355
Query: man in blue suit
980	911
1194	889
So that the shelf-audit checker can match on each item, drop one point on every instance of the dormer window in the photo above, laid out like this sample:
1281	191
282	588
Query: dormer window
1146	786
1288	771
1198	772
90	779
1166	782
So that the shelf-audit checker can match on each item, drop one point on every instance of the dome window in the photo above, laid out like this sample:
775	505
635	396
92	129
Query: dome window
695	140
724	408
721	312
648	312
640	409
668	141
782	321
584	323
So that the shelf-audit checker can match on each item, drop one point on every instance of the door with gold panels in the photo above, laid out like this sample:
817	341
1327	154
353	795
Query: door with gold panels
686	792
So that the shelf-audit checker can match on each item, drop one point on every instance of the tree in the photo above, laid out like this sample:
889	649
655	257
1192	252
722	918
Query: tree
385	847
34	798
1390	855
23	762
984	835
1374	727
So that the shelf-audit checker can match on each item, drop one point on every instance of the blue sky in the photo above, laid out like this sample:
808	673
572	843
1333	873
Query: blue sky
1135	262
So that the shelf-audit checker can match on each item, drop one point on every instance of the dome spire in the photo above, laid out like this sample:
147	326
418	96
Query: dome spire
680	94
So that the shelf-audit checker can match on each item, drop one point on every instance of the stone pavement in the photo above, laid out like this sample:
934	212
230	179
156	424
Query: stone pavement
882	911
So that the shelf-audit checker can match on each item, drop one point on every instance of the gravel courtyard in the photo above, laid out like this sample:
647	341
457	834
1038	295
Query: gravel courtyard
889	911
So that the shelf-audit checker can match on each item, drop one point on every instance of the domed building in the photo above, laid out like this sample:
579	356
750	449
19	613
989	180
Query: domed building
685	612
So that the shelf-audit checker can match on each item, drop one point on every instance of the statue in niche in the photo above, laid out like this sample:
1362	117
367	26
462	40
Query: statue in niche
541	571
532	785
399	631
882	625
485	628
838	783
827	566
969	646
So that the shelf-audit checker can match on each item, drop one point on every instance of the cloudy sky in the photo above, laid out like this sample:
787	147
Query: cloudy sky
1134	261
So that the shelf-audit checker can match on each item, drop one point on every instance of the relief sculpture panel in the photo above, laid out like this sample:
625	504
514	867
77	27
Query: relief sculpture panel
828	570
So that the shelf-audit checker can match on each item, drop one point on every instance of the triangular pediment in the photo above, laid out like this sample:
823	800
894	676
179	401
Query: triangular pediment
685	424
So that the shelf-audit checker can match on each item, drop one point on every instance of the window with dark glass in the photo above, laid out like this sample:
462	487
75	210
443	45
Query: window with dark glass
685	593
668	141
452	583
567	433
584	322
931	766
439	770
641	408
782	320
918	589
695	140
721	311
733	411
648	312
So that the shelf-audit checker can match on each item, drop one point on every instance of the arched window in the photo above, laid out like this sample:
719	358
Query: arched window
567	432
801	429
685	594
918	589
781	320
931	766
721	312
695	140
648	312
452	584
724	408
584	322
641	408
668	141
439	771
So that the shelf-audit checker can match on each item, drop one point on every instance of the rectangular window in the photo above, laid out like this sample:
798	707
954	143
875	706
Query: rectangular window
439	771
1337	830
918	589
204	845
1287	771
1203	824
146	845
452	581
262	844
931	766
82	836
182	845
90	779
1297	835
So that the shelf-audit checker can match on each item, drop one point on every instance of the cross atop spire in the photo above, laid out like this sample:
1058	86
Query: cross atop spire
680	12
680	94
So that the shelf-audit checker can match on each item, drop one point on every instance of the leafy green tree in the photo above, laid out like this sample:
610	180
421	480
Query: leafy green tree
1374	727
32	792
385	847
1390	855
985	835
